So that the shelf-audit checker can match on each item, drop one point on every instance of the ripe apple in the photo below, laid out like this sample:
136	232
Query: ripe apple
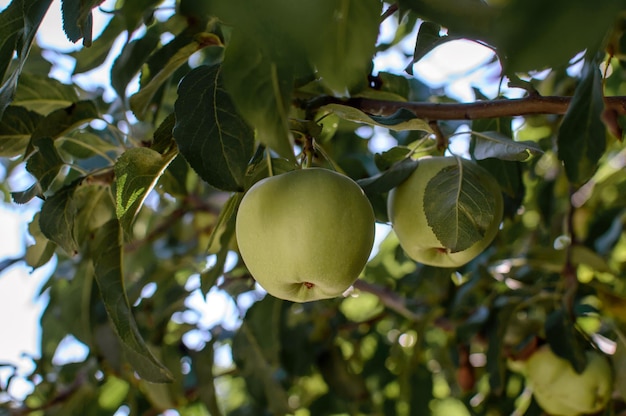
306	234
560	391
446	212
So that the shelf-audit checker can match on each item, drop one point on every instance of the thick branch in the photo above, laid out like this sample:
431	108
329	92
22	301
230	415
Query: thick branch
533	104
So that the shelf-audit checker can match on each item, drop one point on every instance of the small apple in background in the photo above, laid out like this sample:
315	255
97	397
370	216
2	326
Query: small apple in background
560	391
446	212
306	234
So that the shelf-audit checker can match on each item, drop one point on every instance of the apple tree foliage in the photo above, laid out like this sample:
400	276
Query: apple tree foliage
136	193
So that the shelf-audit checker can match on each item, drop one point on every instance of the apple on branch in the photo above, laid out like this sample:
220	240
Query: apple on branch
305	235
446	212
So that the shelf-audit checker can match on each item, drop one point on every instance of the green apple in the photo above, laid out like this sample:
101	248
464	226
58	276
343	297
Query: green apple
560	391
446	212
305	235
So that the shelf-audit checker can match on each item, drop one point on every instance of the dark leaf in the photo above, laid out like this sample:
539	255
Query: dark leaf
78	20
141	100
220	240
57	219
428	38
107	260
564	339
389	179
582	135
19	23
216	142
94	56
255	350
45	163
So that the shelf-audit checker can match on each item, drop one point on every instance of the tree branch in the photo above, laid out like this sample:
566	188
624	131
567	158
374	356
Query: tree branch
533	104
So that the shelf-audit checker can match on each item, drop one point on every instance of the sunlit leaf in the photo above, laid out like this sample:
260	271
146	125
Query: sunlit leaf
16	126
42	250
107	260
459	208
136	173
43	94
214	139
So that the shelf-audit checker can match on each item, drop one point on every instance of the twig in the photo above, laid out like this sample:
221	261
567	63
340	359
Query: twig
533	104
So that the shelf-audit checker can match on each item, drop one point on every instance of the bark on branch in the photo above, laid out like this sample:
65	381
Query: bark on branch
533	104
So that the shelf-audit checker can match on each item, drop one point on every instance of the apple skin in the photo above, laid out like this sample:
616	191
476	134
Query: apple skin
305	235
405	206
560	391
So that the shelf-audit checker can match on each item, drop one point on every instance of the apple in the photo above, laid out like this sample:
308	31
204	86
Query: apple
446	212
305	235
560	391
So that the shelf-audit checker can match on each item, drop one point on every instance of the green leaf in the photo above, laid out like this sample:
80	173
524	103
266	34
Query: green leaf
43	94
261	91
219	241
92	203
78	19
45	163
61	121
19	23
401	120
256	349
212	137
136	173
385	181
343	51
497	145
57	219
533	34
131	59
564	339
107	260
428	38
16	127
458	207
140	101
582	136
163	137
42	250
94	56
